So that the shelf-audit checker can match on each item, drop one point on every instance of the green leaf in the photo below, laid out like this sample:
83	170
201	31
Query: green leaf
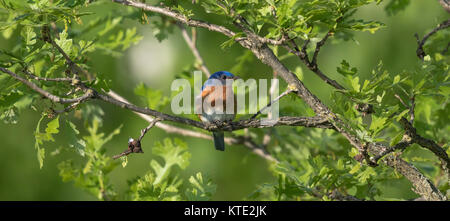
29	36
366	174
154	98
230	42
395	6
64	43
119	42
74	141
52	128
355	168
396	138
299	72
161	29
110	24
403	113
124	160
396	79
355	83
202	188
378	123
172	154
66	171
157	184
361	25
345	69
95	140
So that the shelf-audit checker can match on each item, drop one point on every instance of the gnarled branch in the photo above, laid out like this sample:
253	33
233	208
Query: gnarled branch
420	52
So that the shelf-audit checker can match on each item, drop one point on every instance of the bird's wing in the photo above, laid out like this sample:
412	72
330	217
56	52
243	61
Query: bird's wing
207	90
208	94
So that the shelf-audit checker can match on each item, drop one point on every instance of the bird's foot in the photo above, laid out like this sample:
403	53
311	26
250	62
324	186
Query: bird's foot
217	123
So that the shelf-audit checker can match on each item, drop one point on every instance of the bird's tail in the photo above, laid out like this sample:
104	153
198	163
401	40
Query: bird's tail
219	140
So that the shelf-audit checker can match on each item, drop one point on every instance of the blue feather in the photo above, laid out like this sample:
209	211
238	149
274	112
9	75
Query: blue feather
216	75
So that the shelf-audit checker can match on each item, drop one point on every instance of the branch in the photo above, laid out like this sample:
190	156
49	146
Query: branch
166	127
268	136
319	44
54	98
282	121
446	49
445	4
403	144
411	109
181	18
185	132
427	143
312	65
134	146
422	185
255	148
191	43
336	195
254	123
144	131
401	100
265	54
70	107
280	41
410	131
420	52
34	77
271	102
164	117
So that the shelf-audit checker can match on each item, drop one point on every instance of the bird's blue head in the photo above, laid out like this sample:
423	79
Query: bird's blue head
222	76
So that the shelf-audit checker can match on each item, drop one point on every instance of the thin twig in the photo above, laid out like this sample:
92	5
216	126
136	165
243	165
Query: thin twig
70	107
446	49
399	146
268	136
34	77
427	143
304	48
422	185
191	43
411	109
134	146
420	52
271	102
319	44
401	100
168	12
54	98
303	56
144	131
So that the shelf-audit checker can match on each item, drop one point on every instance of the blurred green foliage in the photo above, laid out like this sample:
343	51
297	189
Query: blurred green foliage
372	53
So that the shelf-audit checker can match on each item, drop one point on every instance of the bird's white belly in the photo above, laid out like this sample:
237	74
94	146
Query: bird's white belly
213	115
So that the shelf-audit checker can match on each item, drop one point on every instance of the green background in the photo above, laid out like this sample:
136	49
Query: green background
236	171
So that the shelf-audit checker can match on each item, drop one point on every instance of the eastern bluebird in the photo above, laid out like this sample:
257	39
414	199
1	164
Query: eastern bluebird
214	92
